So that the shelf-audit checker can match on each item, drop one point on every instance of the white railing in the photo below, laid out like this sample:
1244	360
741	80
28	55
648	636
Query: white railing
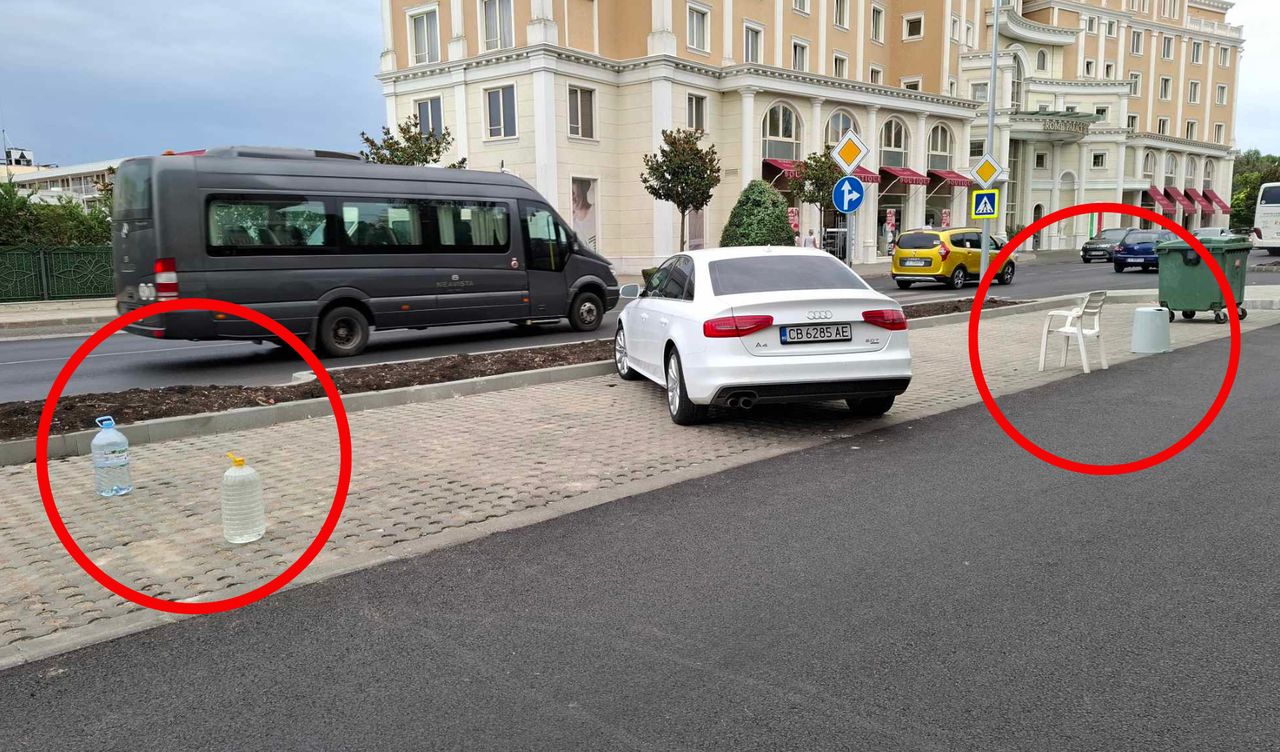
1216	27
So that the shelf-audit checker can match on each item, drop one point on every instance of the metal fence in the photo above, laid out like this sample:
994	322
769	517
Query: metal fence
54	273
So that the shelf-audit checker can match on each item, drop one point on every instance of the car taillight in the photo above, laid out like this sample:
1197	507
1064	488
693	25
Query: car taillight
888	318
736	326
166	279
944	250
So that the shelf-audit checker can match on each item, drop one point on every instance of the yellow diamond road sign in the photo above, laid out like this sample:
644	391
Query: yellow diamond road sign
848	153
988	172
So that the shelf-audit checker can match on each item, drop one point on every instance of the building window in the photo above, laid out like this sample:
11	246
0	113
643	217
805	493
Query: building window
953	88
800	6
911	84
913	27
1042	160
978	91
1135	82
969	37
1197	53
1099	160
1166	88
751	44
877	24
1169	8
977	149
1042	61
1091	24
1193	92
430	117
1135	42
1219	133
893	144
1090	68
1222	95
842	14
780	132
1103	112
1149	167
799	56
697	112
839	124
840	66
1112	28
876	75
940	148
500	111
1072	108
1189	173
1224	57
1166	47
426	36
1189	132
1170	169
699	20
955	28
1109	71
582	112
498	24
1133	122
1208	175
1162	126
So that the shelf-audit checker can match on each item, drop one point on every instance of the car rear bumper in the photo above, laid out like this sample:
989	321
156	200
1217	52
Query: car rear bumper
1095	253
821	391
1136	260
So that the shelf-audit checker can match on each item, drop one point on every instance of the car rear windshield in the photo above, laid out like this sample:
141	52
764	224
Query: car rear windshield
1142	237
132	191
782	273
913	241
1270	196
1116	235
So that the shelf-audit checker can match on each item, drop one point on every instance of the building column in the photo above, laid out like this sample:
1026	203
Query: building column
462	129
662	37
779	45
388	60
1082	182
729	35
1053	234
546	160
813	143
860	54
961	160
1210	91
662	108
750	136
458	31
918	160
1122	54
1003	134
867	219
1225	176
1179	124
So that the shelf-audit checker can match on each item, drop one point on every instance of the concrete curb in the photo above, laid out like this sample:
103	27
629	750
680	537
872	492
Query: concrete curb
23	451
89	320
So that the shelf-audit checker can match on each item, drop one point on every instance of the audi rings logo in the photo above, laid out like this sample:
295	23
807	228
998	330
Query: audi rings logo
820	315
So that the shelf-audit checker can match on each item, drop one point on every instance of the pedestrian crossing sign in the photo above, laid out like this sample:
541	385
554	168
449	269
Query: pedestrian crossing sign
984	204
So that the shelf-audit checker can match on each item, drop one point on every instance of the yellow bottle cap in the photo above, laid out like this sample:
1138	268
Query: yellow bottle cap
237	461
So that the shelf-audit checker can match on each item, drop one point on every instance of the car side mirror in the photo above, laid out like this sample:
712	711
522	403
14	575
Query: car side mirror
631	291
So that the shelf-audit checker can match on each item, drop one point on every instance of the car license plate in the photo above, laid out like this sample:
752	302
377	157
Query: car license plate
915	262
798	335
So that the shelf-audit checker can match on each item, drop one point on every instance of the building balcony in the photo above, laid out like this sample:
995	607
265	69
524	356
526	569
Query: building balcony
1014	26
1216	27
1052	127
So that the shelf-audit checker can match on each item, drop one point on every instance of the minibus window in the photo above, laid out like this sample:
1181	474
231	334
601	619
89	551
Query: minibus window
132	191
1270	195
265	225
470	226
379	224
548	241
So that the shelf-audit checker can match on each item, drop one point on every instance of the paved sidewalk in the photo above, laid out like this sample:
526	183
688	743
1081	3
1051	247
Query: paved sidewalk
432	474
56	313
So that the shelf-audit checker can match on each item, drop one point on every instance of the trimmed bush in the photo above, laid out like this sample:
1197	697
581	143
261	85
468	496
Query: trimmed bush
759	218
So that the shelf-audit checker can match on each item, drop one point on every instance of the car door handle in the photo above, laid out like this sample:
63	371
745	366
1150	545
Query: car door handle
664	322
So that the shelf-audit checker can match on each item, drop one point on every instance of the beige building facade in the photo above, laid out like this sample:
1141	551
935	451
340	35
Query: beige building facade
1128	101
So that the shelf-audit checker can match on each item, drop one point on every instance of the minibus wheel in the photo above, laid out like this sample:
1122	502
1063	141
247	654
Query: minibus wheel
587	312
344	332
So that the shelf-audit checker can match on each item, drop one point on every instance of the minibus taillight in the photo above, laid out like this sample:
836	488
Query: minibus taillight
166	279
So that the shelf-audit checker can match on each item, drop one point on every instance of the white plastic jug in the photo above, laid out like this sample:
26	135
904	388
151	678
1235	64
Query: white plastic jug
110	450
244	517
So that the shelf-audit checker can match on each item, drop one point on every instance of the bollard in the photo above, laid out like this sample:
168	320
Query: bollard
1151	331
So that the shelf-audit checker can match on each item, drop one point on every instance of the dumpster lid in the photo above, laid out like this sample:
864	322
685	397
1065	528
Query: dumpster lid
1216	244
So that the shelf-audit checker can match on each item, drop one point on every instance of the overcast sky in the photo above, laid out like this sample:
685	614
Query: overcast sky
88	80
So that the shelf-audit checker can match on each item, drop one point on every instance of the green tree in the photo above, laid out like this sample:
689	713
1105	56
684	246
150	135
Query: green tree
759	218
818	174
1244	191
682	172
24	221
409	146
106	190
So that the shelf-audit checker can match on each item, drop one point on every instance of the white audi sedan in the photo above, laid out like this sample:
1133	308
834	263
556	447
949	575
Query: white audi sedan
738	327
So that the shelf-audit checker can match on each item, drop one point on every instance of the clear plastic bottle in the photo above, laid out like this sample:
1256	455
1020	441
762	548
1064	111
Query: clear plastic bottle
244	517
110	450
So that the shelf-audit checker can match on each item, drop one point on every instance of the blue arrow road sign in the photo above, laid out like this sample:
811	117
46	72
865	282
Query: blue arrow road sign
848	194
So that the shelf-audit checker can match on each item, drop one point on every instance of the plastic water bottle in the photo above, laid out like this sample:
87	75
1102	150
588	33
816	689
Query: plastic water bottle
110	451
244	518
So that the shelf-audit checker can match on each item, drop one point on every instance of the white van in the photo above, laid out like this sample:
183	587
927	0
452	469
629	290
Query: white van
1266	222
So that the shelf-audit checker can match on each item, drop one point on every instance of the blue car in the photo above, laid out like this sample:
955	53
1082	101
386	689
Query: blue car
1139	249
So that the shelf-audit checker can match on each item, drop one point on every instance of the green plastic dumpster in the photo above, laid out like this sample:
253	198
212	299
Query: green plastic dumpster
1187	285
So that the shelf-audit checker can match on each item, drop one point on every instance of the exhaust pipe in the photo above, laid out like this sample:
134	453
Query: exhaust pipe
732	403
746	403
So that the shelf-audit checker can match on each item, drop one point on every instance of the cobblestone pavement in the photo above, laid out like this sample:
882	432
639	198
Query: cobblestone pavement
422	469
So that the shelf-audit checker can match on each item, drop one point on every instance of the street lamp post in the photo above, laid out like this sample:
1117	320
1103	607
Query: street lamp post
991	121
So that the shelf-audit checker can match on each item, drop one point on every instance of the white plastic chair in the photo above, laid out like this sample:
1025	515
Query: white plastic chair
1082	322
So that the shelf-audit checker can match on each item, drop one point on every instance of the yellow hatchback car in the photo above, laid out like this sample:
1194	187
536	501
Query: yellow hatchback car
952	256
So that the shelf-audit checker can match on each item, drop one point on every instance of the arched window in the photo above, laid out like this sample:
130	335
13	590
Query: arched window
839	123
1042	61
1170	169
1208	175
1189	172
1149	167
781	133
893	144
1018	74
940	148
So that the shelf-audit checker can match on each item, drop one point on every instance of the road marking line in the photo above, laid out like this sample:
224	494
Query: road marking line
128	352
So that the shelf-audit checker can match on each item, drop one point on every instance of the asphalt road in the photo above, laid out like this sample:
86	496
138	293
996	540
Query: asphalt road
925	587
28	367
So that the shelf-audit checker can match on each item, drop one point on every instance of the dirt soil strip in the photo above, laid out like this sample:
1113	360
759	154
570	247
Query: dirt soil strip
18	420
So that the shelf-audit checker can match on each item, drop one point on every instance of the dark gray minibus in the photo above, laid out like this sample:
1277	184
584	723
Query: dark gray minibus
332	247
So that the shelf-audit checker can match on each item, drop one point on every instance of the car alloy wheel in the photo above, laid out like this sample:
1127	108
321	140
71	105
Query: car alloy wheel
673	384
1006	275
957	278
620	361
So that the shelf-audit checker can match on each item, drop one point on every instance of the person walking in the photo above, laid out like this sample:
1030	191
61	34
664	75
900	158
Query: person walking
811	241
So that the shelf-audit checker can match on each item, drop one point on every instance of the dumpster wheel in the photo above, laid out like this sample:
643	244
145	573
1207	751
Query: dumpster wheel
1219	316
1188	315
1243	313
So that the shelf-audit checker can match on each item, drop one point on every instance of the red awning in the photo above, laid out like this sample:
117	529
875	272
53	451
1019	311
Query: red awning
788	167
1175	194
1216	199
1159	197
1206	206
907	175
952	178
866	176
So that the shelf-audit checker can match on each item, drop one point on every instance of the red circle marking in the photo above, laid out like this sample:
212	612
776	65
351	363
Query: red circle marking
206	607
975	358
